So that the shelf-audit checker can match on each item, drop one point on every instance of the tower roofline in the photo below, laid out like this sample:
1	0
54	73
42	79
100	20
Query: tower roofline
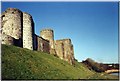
13	9
27	14
63	39
46	29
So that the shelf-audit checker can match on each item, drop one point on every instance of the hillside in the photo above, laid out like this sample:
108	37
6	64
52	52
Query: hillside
20	63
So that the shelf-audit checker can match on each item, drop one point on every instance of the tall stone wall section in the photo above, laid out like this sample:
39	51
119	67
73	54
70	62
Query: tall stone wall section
43	45
64	50
28	30
12	24
48	34
59	47
35	42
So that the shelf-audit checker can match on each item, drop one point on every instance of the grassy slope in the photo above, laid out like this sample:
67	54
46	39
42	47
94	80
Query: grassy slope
19	63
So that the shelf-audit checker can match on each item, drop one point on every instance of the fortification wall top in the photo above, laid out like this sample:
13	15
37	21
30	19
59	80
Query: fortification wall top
46	30
11	11
67	39
64	40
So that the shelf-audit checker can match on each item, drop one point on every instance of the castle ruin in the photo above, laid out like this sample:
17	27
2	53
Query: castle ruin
17	28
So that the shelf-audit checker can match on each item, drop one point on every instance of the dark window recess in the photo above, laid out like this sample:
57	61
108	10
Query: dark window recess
2	40
12	12
3	15
3	32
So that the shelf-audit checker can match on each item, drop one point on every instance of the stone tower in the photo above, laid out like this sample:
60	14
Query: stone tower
12	23
64	50
28	31
59	48
48	34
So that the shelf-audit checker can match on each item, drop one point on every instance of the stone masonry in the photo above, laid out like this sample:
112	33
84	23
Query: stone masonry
6	39
11	23
43	45
64	50
27	31
18	29
48	34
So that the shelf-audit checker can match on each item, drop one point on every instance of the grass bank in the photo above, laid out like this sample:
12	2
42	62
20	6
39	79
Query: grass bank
20	63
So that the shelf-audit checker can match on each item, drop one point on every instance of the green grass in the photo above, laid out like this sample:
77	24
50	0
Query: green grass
20	63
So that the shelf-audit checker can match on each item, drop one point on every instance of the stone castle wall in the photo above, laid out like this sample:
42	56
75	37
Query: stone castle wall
64	50
27	31
6	39
11	23
35	42
18	29
43	45
48	34
59	47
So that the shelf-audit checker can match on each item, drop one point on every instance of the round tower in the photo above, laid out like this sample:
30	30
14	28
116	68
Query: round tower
48	34
28	30
12	23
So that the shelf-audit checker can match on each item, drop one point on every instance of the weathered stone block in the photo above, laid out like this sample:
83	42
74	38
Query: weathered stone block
28	31
64	50
43	45
48	34
12	23
6	39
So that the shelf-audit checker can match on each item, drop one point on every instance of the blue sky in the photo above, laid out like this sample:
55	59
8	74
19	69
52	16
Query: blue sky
92	26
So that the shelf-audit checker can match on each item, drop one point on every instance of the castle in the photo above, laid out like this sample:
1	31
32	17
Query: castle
17	28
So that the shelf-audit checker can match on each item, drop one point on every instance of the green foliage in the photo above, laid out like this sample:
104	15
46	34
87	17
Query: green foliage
19	63
98	67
